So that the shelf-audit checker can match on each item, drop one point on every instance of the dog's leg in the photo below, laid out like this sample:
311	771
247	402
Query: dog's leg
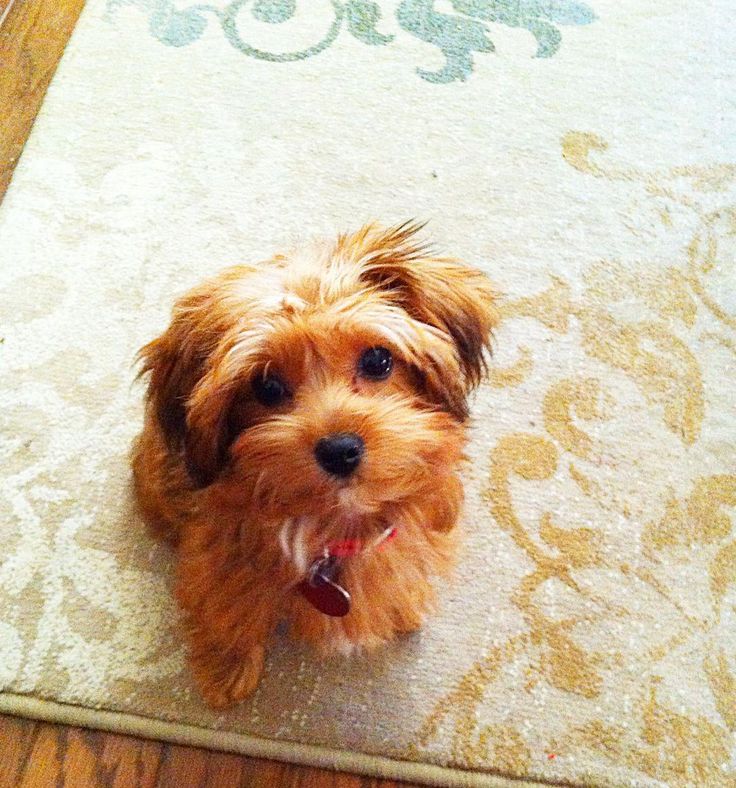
227	645
224	676
231	607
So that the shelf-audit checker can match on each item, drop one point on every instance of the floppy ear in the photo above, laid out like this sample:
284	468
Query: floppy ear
454	298
177	362
210	428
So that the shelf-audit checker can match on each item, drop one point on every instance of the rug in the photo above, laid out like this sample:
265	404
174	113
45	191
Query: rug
584	155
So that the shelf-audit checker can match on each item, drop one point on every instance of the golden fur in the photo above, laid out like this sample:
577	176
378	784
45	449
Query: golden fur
234	484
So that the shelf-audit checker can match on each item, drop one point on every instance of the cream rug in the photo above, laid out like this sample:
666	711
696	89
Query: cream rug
584	153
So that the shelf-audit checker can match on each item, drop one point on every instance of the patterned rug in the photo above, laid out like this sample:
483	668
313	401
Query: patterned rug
584	154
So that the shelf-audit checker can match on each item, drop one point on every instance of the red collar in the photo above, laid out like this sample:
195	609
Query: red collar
350	547
321	587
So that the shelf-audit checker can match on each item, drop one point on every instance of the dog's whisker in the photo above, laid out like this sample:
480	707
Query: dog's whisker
299	554
284	537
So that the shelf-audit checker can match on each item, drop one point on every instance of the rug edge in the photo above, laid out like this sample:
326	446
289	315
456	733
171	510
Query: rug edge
245	744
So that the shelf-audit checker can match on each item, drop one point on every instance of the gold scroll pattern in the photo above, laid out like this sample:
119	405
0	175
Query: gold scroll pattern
681	307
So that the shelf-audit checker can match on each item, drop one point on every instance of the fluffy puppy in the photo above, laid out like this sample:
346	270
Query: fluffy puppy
304	426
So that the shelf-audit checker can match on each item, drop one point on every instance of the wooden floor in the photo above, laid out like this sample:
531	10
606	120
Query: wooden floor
40	755
32	37
33	34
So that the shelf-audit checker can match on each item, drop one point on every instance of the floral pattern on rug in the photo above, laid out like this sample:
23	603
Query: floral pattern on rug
586	654
458	36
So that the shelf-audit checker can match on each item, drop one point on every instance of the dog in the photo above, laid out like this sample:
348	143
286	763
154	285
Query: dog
305	425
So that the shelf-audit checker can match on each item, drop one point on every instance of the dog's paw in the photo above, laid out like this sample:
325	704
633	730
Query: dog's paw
223	682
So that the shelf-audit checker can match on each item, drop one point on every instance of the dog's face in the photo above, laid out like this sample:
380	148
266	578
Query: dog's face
328	384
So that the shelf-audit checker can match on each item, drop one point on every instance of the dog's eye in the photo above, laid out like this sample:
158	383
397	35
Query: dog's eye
376	363
270	391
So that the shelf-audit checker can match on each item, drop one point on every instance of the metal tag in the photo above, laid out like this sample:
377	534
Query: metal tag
322	591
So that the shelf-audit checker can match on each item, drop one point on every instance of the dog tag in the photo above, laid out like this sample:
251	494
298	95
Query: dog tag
321	589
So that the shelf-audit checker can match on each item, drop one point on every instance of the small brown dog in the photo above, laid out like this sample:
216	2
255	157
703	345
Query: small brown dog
304	428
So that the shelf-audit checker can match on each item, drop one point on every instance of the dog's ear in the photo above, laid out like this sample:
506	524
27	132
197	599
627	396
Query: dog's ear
453	298
210	428
177	363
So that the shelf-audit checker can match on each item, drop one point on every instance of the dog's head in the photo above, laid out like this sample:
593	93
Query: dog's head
329	382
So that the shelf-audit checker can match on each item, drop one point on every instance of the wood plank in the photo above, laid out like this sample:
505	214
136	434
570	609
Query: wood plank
43	755
125	761
32	39
16	741
43	765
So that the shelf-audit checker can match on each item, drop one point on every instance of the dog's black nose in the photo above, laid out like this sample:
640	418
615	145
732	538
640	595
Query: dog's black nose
340	454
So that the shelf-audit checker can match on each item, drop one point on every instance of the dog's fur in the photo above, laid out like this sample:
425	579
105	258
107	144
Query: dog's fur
234	484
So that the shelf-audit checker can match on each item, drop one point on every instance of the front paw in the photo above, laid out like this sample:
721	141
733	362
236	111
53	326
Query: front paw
224	681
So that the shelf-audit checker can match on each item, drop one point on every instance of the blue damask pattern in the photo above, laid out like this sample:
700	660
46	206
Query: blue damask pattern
458	35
